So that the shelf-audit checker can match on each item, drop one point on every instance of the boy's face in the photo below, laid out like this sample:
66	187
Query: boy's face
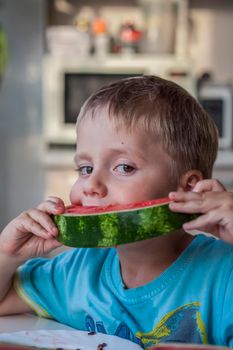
118	166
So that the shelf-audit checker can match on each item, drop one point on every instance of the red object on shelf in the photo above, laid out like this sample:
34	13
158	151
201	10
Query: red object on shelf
129	34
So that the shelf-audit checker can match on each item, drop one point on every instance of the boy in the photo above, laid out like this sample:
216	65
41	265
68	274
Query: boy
137	139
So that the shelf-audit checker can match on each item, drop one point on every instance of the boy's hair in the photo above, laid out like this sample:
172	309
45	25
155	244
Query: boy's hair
168	112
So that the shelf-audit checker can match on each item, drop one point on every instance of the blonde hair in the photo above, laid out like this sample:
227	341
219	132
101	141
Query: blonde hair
175	119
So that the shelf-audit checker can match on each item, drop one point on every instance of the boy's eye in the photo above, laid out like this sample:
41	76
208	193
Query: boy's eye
124	168
85	170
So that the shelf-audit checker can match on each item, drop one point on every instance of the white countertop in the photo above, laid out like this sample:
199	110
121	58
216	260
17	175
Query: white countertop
28	322
33	331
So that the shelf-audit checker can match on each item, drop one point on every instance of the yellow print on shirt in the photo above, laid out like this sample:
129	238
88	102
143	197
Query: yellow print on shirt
182	325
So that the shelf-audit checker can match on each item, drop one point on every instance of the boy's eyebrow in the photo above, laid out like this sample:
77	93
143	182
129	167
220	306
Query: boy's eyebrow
83	155
114	151
127	152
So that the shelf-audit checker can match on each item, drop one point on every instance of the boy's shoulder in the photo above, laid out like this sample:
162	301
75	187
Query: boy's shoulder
211	252
209	242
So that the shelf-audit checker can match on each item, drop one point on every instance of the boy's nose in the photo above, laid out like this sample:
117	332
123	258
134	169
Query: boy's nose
95	187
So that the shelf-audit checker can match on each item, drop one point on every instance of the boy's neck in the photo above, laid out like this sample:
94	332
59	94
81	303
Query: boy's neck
142	262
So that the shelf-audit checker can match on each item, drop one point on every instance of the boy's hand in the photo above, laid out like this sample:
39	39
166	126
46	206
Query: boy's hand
33	232
209	198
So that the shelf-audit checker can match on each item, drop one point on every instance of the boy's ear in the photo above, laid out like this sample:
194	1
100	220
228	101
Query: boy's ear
189	179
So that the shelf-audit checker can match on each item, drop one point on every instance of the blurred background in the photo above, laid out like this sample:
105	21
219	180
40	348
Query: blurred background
54	53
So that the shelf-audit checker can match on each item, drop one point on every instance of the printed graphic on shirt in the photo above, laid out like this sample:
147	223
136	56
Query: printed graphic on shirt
182	325
122	331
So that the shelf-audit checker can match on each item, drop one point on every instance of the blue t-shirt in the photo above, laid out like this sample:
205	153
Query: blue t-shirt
191	301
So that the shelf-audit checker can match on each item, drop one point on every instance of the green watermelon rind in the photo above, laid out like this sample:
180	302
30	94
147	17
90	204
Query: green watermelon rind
115	228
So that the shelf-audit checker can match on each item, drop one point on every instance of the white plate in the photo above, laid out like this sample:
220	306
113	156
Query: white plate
67	339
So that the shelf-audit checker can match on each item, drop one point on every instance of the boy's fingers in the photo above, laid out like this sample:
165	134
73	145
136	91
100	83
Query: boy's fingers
51	244
201	188
199	202
27	224
188	207
185	196
38	223
44	220
203	221
213	221
52	207
55	200
187	202
208	185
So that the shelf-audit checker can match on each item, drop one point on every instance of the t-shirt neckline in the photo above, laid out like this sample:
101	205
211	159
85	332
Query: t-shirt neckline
142	293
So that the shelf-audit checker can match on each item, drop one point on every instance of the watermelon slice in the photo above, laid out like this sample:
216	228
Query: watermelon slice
116	224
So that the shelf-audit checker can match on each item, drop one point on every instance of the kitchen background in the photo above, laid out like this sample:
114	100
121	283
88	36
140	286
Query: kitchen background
187	41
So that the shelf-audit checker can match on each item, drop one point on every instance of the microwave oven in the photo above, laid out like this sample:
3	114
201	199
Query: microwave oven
68	82
217	100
